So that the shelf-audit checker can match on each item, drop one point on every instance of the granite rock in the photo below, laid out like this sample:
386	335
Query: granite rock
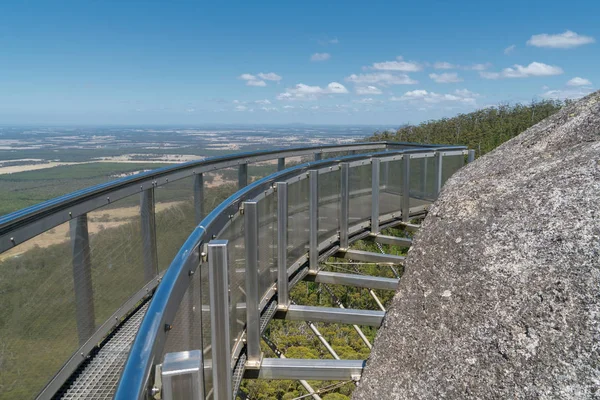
501	292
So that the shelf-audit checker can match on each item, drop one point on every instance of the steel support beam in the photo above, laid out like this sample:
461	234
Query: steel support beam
219	319
312	369
392	240
375	171
344	204
148	220
410	227
280	164
406	187
354	280
471	156
243	176
313	210
82	278
199	197
252	296
333	315
283	296
360	255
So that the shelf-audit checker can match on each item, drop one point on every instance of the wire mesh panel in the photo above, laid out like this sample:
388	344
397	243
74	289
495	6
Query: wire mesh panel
329	204
450	165
298	220
267	243
38	313
422	181
261	169
234	233
174	218
390	197
119	268
359	184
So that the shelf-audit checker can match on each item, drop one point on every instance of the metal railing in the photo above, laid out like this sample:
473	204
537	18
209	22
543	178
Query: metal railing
109	280
247	253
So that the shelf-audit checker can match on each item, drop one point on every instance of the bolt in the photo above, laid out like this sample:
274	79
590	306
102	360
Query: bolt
108	199
191	273
12	239
154	391
168	327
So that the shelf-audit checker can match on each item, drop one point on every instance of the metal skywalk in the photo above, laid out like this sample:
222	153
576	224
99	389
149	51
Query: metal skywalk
193	330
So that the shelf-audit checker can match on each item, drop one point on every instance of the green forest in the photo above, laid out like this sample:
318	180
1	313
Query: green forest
482	130
36	287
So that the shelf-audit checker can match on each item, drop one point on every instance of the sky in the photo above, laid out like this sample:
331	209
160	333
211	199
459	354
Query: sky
276	62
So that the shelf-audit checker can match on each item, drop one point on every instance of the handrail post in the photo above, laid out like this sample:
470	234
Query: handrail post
252	295
406	187
318	156
218	269
471	156
313	210
243	176
344	204
439	155
199	197
283	296
280	164
375	169
82	278
423	177
148	221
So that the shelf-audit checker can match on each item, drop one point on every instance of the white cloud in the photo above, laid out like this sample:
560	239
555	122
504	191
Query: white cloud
324	42
574	93
419	97
382	78
269	76
256	83
320	57
444	65
510	49
241	108
478	67
253	80
519	71
367	90
446	77
288	107
399	65
367	100
265	102
270	109
306	92
565	40
577	81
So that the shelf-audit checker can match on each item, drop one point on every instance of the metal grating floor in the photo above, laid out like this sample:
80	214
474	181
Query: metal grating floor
98	377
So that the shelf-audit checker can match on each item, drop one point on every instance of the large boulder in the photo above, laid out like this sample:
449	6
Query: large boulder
501	292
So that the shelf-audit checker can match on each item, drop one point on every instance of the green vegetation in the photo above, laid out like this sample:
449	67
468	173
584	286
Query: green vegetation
482	130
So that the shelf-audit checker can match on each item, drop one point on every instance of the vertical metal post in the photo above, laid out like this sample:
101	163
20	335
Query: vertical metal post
375	170
471	156
344	204
243	176
283	295
82	278
218	269
313	211
280	164
438	173
199	197
318	156
406	187
252	293
147	214
423	177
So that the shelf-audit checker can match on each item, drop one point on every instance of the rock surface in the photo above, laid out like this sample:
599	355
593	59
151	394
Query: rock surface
501	292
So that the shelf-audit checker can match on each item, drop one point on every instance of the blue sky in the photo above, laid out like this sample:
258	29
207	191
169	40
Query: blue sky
369	62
